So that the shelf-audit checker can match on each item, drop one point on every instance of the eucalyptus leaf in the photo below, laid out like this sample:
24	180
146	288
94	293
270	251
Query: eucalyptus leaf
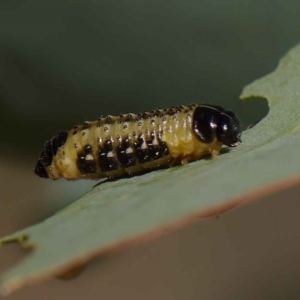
122	213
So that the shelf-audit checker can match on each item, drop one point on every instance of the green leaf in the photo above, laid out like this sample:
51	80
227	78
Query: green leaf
119	214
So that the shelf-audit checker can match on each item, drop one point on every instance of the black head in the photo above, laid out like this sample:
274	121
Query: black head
213	121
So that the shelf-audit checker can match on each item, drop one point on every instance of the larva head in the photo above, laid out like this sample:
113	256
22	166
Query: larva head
214	122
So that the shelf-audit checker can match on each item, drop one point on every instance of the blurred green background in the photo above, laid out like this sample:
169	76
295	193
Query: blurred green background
63	62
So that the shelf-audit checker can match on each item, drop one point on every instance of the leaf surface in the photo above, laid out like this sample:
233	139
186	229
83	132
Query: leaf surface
118	214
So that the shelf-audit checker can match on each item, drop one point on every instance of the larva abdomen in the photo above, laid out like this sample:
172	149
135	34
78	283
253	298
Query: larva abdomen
130	144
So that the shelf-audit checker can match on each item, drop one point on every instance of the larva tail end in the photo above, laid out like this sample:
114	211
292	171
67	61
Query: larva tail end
40	170
50	150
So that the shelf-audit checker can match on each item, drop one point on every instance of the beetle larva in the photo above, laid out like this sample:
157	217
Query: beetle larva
130	144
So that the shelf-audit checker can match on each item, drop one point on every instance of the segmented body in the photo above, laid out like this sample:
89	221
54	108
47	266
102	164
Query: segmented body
127	144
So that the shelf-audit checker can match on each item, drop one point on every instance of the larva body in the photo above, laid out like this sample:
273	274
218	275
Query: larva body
131	144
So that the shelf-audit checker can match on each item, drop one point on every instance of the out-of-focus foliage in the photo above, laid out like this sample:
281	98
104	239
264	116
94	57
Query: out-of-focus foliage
65	61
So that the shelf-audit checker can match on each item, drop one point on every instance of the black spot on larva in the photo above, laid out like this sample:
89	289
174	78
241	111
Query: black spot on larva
61	138
88	149
107	163
86	166
108	120
46	157
154	150
90	166
126	159
85	126
98	125
74	132
54	145
40	170
81	158
159	150
145	115
163	148
99	119
171	112
47	154
49	146
143	155
128	118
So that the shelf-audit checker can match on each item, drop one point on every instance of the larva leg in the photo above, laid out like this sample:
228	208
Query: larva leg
215	151
187	159
214	154
182	160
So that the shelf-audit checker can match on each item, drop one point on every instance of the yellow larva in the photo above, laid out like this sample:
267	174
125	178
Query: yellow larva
130	144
